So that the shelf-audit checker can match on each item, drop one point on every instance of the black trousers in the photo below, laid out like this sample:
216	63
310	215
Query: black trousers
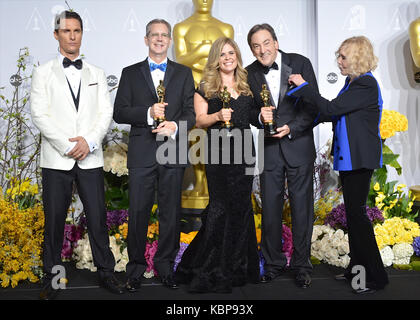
57	188
142	183
300	187
363	247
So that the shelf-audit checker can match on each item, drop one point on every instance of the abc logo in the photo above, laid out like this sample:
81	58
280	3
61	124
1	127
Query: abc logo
332	77
16	80
112	81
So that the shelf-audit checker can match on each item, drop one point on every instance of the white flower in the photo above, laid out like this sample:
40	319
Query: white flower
122	263
115	159
83	254
402	253
387	256
330	245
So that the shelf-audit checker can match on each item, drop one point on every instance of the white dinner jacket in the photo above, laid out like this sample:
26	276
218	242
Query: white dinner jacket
55	115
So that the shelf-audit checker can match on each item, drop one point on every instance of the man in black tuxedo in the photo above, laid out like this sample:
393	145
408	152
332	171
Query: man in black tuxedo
137	104
288	155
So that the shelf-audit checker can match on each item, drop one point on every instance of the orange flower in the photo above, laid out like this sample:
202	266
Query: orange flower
188	237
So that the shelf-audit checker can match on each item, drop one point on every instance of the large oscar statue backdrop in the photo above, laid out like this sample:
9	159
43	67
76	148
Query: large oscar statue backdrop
414	32
193	38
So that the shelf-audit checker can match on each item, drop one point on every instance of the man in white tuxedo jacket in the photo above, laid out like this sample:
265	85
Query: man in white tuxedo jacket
71	107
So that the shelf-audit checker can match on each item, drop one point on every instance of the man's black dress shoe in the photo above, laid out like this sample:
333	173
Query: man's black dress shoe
303	280
48	292
133	285
169	282
270	276
364	291
112	285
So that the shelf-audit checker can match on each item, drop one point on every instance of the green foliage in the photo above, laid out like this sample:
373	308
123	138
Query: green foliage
19	142
389	196
116	191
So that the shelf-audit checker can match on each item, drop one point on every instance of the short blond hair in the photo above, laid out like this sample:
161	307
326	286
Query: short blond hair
359	54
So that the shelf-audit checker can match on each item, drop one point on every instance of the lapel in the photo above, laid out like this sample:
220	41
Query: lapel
84	83
62	83
286	71
145	70
168	73
260	79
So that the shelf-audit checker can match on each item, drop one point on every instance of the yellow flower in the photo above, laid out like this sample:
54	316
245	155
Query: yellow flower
123	229
187	237
21	237
152	230
391	122
376	187
257	220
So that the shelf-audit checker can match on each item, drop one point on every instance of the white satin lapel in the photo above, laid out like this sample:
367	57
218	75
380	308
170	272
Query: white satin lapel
84	84
63	84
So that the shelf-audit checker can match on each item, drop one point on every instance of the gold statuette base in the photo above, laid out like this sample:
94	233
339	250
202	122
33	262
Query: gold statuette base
191	202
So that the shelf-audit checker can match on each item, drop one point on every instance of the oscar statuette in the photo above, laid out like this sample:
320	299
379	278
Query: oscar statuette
225	97
160	89
269	126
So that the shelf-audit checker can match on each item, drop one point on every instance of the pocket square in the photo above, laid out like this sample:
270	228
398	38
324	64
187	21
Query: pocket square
93	84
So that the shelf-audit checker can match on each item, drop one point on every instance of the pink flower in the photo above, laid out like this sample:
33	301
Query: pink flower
149	255
287	243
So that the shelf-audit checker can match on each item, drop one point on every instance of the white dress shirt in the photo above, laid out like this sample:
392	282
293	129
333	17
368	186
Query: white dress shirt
158	75
73	76
273	78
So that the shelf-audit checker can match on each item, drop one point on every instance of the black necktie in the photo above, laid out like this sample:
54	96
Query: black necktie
67	63
266	69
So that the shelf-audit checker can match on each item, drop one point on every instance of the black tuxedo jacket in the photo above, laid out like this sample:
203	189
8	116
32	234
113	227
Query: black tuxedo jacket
299	149
136	93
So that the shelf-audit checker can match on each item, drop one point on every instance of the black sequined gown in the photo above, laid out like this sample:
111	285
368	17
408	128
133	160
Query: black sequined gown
224	252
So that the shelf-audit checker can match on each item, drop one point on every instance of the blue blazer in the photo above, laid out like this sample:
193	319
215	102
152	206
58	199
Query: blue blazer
356	115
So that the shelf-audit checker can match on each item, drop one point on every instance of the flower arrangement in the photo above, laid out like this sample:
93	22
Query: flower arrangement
72	234
24	193
416	246
391	199
392	122
330	246
337	217
287	242
324	205
395	231
21	236
115	159
402	253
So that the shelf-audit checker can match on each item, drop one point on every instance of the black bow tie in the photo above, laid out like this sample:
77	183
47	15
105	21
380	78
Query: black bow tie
266	69
77	64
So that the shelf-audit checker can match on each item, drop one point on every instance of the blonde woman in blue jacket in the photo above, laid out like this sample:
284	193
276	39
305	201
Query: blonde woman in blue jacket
357	149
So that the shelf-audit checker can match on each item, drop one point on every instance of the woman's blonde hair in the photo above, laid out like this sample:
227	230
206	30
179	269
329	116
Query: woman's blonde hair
359	54
211	83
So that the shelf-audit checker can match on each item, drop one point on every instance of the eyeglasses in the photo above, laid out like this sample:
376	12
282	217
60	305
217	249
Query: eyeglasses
157	35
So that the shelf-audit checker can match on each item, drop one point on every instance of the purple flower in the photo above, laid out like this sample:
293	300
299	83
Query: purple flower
182	247
67	250
262	263
375	215
115	218
416	246
337	217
